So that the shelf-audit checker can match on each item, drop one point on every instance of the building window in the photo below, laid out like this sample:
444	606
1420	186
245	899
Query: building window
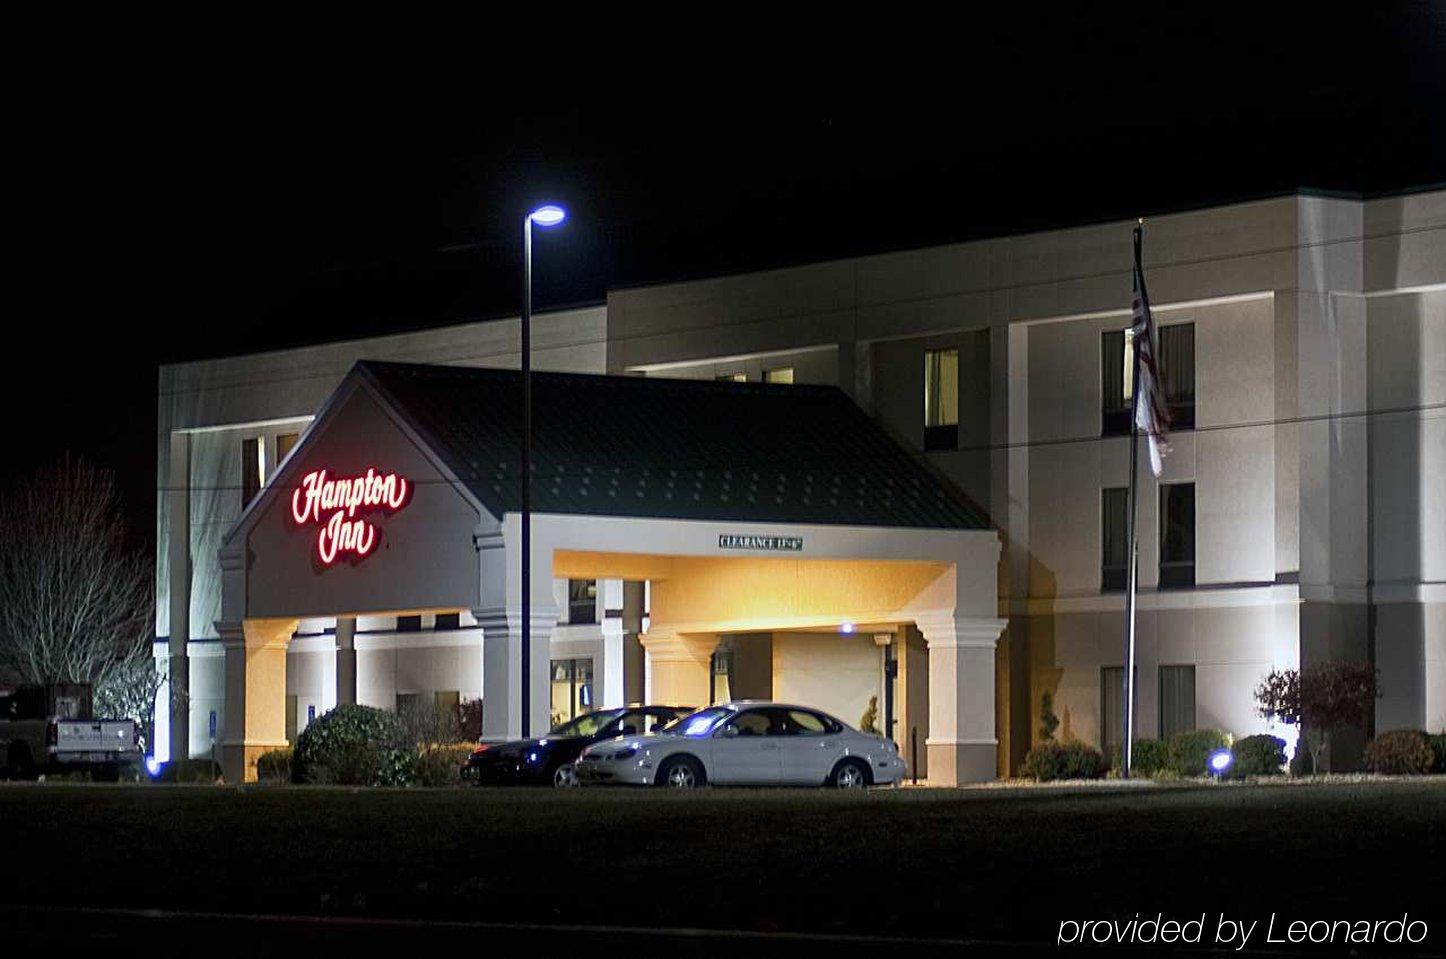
447	703
284	444
1177	700
571	689
1114	546
448	621
408	703
582	601
1117	370
1177	535
941	399
779	374
253	469
1112	716
1177	373
409	624
1177	370
732	378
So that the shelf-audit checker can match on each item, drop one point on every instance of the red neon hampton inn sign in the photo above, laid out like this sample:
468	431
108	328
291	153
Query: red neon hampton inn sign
333	504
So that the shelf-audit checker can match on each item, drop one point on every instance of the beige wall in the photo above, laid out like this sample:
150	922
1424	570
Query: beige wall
830	671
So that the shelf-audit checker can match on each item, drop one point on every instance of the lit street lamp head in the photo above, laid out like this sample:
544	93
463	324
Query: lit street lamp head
548	215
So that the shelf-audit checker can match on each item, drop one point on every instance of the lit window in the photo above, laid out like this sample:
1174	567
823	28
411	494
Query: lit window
1176	345
733	378
571	689
779	374
941	399
284	443
253	469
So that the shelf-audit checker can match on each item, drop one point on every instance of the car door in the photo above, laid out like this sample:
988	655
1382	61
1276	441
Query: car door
810	747
745	749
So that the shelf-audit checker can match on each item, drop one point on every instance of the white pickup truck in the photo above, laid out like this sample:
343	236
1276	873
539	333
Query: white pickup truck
49	729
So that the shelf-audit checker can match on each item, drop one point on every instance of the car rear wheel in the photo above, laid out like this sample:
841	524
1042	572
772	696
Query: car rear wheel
565	776
681	772
849	774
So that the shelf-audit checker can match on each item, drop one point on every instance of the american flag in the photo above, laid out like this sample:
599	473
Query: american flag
1152	411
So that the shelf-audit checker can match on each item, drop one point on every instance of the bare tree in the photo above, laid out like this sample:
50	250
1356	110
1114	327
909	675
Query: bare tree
76	600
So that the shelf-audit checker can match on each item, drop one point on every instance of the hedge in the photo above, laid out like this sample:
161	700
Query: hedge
1190	750
1259	755
1401	752
1049	761
274	766
353	745
1150	757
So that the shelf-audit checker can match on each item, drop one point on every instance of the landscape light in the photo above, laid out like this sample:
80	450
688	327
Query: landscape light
153	766
548	215
1220	761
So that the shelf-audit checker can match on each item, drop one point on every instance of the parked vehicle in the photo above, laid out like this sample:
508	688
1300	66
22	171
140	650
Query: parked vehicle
50	729
747	743
550	758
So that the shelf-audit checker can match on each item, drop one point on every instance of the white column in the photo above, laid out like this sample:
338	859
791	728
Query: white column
611	591
178	547
502	671
962	744
345	661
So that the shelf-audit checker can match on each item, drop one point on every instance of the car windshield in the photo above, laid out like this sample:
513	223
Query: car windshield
697	724
587	724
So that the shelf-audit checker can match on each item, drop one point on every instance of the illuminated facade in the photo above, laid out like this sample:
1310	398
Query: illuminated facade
1299	517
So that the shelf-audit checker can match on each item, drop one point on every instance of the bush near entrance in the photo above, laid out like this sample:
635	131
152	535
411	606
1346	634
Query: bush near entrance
1401	752
1050	761
1259	755
1190	750
1438	749
274	766
1150	757
353	746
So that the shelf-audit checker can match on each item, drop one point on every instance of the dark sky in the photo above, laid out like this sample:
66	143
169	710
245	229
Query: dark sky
198	189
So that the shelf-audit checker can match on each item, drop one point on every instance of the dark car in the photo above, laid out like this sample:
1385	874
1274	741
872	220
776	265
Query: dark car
550	758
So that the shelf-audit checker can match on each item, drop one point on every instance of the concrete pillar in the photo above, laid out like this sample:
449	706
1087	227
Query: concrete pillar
613	633
255	693
178	548
345	660
678	666
634	659
962	743
502	671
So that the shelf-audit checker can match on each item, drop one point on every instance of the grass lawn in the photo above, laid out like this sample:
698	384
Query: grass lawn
986	864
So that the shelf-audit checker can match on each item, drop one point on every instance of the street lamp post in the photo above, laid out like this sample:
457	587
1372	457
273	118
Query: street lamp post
543	216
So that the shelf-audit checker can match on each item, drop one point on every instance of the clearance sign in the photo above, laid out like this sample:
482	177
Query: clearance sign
343	507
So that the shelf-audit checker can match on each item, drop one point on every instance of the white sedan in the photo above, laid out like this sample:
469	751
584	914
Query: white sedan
746	743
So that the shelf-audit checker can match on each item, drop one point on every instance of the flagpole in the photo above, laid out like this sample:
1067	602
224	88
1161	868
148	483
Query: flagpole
1132	573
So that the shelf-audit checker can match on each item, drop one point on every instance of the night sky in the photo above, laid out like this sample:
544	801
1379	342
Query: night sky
192	190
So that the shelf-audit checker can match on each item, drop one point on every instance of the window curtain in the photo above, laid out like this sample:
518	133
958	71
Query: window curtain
1177	362
941	387
1177	700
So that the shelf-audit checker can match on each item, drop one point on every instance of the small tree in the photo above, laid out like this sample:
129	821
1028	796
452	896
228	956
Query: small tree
869	722
1319	699
1048	721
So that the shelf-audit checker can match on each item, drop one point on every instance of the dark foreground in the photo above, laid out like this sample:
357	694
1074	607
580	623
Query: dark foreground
268	871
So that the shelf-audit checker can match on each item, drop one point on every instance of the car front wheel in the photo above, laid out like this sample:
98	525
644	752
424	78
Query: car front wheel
681	772
849	774
564	776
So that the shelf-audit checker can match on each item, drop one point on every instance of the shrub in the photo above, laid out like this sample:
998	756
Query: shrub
1049	761
202	771
1259	755
274	766
1190	750
1400	752
1149	757
353	746
441	765
1437	742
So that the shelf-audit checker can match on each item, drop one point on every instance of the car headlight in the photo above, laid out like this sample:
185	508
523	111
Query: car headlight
627	752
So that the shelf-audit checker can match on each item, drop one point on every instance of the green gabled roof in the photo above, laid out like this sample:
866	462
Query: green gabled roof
669	448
